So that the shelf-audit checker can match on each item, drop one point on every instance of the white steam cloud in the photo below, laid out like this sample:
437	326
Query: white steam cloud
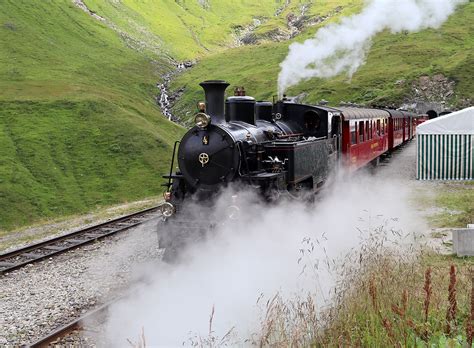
258	256
343	47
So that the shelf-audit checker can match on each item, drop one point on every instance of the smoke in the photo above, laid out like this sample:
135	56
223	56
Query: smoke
289	248
343	47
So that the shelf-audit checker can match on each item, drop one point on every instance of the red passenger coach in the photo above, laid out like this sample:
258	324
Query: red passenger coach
365	135
397	128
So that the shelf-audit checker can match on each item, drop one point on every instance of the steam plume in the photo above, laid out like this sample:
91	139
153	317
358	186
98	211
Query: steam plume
260	255
343	47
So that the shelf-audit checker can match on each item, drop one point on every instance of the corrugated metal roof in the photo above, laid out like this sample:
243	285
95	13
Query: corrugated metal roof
352	113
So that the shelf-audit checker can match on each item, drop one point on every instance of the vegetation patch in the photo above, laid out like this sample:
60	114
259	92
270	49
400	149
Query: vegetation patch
78	124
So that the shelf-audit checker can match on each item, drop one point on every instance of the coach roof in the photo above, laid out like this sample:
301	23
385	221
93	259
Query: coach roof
352	113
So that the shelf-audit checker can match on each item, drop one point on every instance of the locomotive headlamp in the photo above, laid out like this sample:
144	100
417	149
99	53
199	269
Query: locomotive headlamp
201	106
167	209
202	120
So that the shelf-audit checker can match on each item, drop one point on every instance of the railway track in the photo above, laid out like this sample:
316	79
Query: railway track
91	319
36	252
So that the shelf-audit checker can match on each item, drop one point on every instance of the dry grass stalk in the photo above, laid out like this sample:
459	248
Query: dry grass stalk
373	292
428	292
141	343
401	312
405	301
210	321
389	329
469	327
452	303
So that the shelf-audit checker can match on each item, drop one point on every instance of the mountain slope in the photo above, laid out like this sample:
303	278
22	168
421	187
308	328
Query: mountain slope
78	123
187	28
394	61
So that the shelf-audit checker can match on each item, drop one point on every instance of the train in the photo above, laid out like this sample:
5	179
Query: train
280	148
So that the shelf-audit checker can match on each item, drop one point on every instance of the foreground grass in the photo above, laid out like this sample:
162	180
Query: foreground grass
406	303
382	298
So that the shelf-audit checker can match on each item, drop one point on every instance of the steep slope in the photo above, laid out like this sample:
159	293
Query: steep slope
78	124
394	61
190	28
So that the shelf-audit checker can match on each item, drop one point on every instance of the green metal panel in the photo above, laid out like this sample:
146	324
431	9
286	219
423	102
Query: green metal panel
445	157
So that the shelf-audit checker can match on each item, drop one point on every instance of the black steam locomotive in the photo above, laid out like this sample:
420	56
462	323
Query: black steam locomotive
281	148
278	148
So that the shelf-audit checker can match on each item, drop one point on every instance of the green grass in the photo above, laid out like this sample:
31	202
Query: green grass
78	124
448	50
456	201
186	29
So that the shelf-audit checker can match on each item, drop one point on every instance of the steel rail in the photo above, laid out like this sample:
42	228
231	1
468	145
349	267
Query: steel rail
70	327
39	251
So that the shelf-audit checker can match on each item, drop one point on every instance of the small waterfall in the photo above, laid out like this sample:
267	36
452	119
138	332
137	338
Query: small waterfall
164	99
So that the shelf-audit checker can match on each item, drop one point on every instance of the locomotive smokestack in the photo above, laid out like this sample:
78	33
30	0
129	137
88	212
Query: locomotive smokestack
214	91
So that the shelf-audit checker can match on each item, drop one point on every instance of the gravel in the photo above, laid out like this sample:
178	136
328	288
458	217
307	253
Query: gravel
41	297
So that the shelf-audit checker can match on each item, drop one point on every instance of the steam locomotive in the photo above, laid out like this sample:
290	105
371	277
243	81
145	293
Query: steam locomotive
283	148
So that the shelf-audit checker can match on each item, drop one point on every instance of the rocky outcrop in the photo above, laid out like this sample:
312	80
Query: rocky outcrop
205	4
427	93
437	88
245	35
295	24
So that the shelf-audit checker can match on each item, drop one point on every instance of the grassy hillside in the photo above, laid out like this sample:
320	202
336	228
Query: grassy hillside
193	28
448	50
78	124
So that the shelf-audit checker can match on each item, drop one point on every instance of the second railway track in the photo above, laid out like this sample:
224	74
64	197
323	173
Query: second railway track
39	251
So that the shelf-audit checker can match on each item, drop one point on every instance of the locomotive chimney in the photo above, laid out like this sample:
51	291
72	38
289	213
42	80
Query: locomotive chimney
214	91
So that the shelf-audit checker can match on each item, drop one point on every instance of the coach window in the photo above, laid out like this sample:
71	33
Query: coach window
378	127
367	137
361	131
353	133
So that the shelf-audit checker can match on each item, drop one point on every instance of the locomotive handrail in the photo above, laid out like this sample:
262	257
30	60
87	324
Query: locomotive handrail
172	163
